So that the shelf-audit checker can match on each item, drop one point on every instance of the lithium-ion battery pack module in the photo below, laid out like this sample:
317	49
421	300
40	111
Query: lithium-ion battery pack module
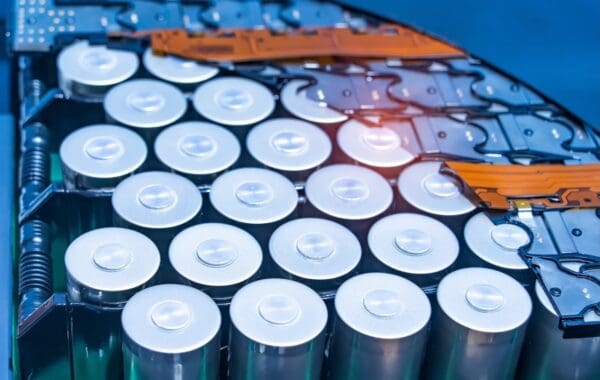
254	190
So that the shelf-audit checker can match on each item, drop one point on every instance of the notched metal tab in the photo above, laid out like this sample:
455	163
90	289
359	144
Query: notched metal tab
493	86
141	16
572	293
451	138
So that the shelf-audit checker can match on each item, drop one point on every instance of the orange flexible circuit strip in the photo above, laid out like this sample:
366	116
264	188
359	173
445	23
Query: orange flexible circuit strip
261	44
511	187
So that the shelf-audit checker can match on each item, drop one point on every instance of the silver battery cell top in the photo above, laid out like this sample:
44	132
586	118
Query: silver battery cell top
424	187
197	148
383	306
348	192
315	249
298	104
288	144
81	65
103	151
145	103
156	200
484	300
215	254
177	70
496	244
105	266
233	101
373	146
171	319
278	312
413	243
253	196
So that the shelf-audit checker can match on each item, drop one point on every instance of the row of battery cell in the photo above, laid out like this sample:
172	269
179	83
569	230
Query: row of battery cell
278	327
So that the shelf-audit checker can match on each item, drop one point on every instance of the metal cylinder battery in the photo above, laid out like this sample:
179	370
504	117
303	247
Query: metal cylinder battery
351	195
171	332
257	200
185	73
197	150
277	331
380	148
546	354
234	101
145	105
290	146
497	246
104	267
87	72
158	204
215	257
380	330
295	100
478	326
414	246
424	189
99	156
317	252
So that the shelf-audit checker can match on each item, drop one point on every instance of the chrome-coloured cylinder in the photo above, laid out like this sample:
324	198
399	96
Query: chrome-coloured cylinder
197	150
257	200
381	329
158	204
478	327
87	72
414	246
146	105
423	189
171	332
277	332
546	354
351	195
100	155
496	246
292	147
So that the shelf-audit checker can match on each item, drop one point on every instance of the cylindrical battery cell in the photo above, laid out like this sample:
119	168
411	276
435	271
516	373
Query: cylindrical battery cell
317	252
99	156
352	195
379	148
254	199
177	70
478	326
414	246
497	246
380	330
290	146
145	105
277	331
424	189
171	332
234	101
197	150
87	72
105	267
547	355
295	100
159	204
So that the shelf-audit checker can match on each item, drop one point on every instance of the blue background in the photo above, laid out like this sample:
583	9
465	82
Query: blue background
554	45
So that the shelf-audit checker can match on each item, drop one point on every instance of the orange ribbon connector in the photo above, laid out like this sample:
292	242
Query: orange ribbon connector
239	45
510	187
